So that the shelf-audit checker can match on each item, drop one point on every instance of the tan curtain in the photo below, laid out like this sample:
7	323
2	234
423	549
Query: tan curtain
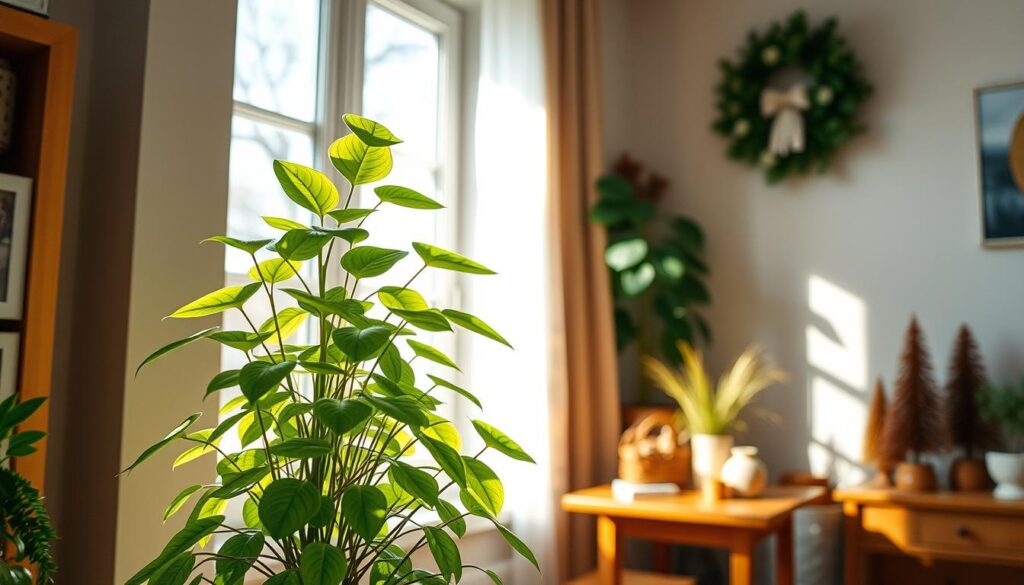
586	398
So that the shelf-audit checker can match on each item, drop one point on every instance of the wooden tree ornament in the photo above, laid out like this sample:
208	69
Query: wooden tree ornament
913	425
873	453
966	378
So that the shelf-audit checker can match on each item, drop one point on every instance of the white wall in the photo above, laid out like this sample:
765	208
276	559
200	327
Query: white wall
892	230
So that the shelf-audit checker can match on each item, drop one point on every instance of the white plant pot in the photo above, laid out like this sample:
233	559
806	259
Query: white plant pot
710	453
1007	470
744	473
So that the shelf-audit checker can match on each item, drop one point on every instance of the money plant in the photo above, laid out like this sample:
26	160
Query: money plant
330	494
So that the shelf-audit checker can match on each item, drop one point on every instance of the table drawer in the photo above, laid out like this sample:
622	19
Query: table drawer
969	533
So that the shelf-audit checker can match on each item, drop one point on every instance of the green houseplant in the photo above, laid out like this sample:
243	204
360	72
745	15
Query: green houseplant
656	266
1004	406
25	530
327	426
712	412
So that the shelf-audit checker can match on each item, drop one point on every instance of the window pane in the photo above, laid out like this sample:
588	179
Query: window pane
276	56
253	189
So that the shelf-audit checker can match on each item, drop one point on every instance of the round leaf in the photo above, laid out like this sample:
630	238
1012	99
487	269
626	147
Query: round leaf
365	509
370	261
287	505
625	254
370	132
307	187
358	162
361	344
257	378
341	416
322	564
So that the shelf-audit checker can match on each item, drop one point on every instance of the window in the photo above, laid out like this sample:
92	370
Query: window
300	64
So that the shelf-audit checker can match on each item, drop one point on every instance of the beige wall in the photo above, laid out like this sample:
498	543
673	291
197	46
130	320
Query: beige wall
893	229
182	191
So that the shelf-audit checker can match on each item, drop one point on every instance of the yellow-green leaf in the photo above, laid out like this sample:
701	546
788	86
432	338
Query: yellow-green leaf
370	132
289	320
432	353
358	162
474	324
274	270
217	301
406	299
307	187
406	197
441	258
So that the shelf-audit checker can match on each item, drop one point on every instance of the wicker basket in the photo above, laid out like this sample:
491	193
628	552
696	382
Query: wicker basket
649	452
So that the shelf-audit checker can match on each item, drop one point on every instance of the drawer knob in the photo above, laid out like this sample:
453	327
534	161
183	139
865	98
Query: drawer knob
963	532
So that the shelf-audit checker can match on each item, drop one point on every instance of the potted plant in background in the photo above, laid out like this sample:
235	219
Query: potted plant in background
712	413
25	529
326	426
964	424
913	426
1004	405
657	270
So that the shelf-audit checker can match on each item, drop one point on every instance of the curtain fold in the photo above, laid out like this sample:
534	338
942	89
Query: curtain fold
584	386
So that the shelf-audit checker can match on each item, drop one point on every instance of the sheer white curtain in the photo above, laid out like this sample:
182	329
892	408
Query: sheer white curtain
508	215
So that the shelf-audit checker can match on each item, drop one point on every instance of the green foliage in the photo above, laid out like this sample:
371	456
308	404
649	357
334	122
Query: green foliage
25	529
1004	406
327	427
836	90
657	271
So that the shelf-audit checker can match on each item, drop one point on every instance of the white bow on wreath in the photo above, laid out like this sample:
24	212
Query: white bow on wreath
788	127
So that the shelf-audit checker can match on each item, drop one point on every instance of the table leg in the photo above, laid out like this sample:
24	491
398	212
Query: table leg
609	552
741	559
852	530
784	554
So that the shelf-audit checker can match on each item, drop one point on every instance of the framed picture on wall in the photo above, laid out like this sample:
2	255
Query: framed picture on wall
37	6
999	119
8	364
15	211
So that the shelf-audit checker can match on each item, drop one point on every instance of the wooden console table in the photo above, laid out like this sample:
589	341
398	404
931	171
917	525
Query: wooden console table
947	537
734	524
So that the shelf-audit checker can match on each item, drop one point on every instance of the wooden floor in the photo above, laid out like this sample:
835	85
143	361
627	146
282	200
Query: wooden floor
640	578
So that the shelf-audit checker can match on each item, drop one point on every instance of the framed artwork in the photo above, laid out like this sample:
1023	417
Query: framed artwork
999	119
37	6
9	343
15	210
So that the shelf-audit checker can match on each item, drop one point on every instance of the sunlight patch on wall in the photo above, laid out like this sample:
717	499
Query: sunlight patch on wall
837	387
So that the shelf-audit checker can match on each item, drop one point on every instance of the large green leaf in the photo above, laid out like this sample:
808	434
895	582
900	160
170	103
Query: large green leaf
176	432
615	188
359	163
321	564
175	345
289	577
415	481
457	389
257	378
180	500
248	246
301	448
240	340
225	379
431	353
289	320
404	409
445	553
361	344
350	310
239	553
205	445
485	487
451	516
440	258
405	197
447	458
500	442
625	254
474	324
299	245
185	539
341	416
287	505
175	572
238	483
352	235
370	132
283	224
274	270
406	299
518	545
365	510
369	261
307	187
635	281
428	320
394	366
217	301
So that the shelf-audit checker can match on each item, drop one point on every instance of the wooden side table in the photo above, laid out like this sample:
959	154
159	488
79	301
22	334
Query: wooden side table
944	537
734	524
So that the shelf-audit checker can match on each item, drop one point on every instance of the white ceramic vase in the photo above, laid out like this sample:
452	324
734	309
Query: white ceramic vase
1007	470
709	455
744	473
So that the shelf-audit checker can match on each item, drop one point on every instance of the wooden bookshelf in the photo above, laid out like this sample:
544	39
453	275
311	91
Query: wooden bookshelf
42	54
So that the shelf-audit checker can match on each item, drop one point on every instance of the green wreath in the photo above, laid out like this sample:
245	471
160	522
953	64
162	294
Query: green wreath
797	129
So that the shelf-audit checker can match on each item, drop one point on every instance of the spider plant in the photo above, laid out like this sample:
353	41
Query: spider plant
713	410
